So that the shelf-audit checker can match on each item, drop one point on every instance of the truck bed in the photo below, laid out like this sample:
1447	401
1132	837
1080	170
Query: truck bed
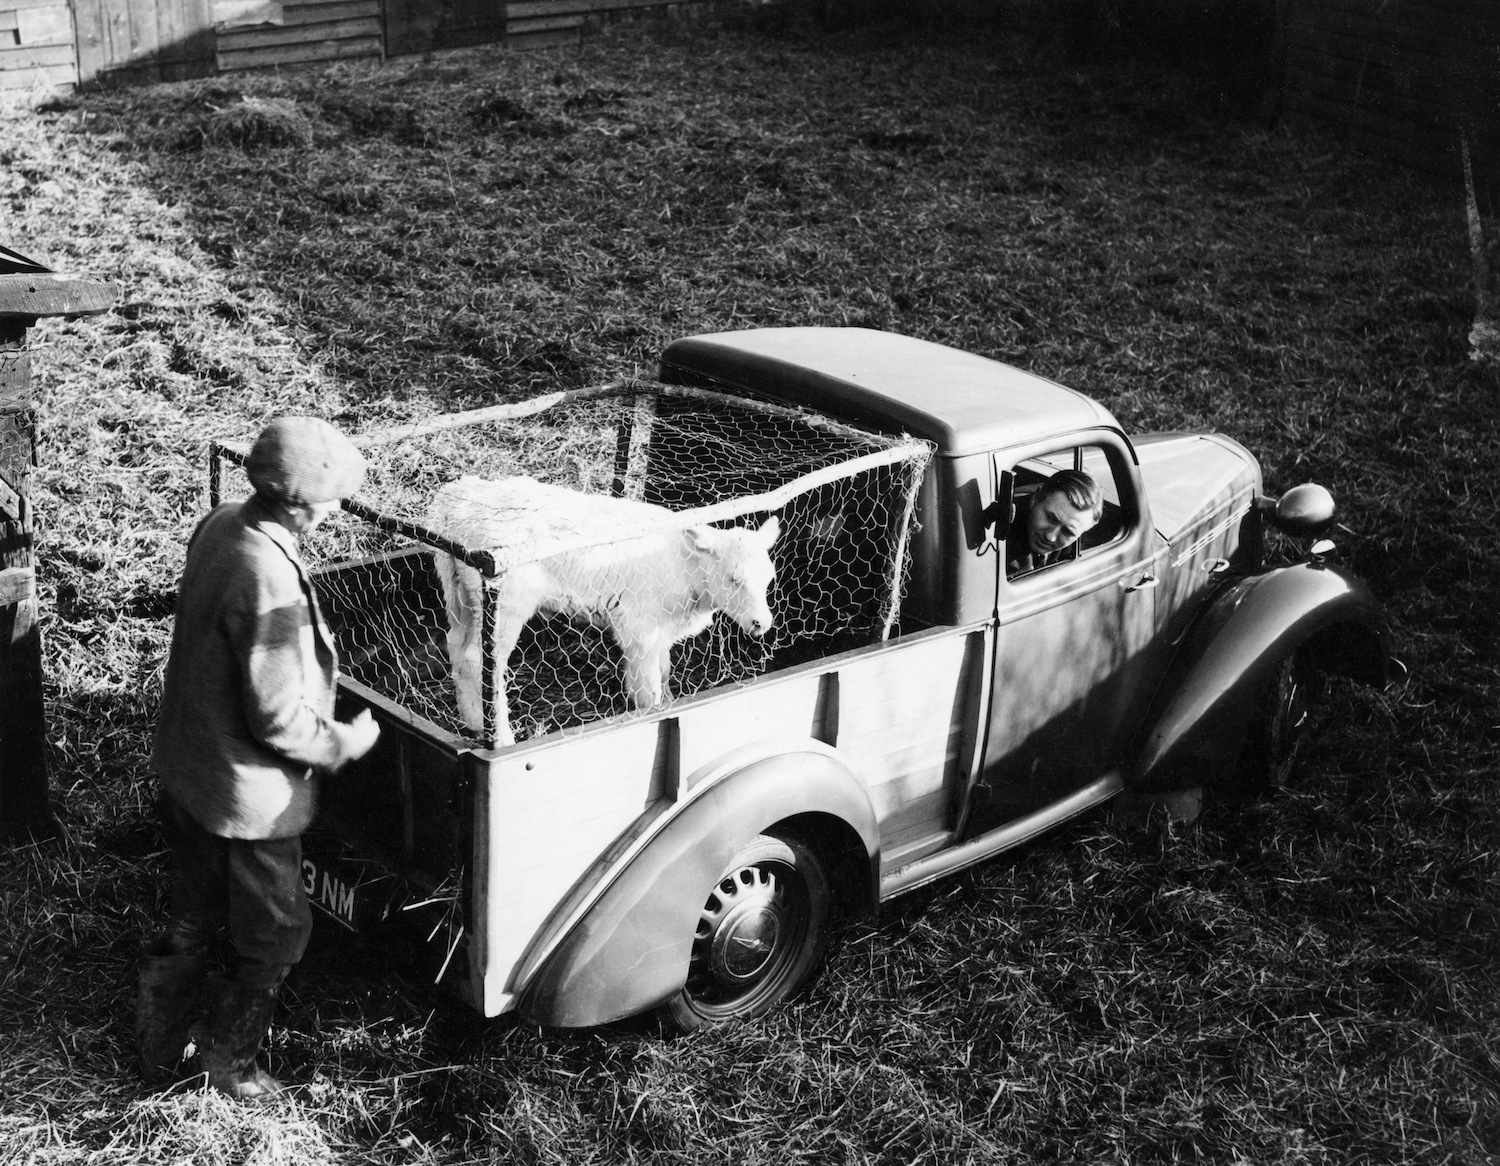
527	830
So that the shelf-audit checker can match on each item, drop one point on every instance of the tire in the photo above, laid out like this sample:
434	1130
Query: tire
1281	726
760	936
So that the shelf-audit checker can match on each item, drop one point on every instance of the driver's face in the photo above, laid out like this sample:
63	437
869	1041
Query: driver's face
1055	523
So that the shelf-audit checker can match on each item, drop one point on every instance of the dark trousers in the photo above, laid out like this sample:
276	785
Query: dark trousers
254	887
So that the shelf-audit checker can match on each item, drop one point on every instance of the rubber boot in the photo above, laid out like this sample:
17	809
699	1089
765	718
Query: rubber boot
239	1015
169	987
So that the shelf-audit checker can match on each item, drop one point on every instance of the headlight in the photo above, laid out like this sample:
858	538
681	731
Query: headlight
1304	511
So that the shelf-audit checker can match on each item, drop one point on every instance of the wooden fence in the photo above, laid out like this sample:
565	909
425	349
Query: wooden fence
1400	78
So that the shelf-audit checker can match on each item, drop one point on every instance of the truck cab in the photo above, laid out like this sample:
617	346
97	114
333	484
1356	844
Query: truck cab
1076	653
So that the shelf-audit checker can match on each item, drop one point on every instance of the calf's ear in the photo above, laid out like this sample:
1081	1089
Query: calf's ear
703	539
770	530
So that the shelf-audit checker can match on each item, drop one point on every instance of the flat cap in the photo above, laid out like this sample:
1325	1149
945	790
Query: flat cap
302	460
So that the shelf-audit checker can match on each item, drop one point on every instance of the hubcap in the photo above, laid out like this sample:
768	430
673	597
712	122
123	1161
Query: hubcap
745	942
745	936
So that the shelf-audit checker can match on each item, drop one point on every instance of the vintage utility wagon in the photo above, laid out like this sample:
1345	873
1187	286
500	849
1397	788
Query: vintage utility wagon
689	856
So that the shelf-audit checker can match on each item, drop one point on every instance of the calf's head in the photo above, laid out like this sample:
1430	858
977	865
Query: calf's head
738	572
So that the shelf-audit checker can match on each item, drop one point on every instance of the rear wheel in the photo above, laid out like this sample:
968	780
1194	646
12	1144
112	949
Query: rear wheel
759	937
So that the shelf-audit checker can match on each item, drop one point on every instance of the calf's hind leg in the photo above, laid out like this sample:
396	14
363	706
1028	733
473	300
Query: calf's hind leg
461	600
517	596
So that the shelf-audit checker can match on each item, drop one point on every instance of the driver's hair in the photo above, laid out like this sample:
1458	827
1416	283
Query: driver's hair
1081	491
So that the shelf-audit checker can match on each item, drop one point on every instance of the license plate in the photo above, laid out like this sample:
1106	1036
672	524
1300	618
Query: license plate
347	892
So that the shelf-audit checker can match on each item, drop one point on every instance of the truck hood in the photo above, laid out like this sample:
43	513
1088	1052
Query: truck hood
1193	477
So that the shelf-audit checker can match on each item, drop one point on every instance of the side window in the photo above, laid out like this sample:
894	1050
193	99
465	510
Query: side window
1048	528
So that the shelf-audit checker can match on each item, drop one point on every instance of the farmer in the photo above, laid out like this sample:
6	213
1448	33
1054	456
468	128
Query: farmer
1061	510
246	732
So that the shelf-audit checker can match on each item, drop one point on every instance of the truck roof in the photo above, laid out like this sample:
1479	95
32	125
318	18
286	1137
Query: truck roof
888	382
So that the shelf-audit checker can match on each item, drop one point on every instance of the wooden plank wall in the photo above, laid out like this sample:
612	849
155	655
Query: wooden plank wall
1400	77
323	30
36	44
124	42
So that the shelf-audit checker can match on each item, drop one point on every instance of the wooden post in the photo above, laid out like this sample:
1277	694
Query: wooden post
633	449
27	293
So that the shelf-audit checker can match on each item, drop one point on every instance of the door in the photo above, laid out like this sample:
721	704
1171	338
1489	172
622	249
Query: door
131	41
1076	656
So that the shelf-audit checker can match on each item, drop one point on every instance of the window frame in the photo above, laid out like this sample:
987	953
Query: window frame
1021	471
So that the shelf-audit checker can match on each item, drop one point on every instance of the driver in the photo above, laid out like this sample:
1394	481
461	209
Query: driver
1055	517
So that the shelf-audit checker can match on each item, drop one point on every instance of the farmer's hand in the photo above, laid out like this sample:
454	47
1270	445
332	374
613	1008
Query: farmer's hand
361	734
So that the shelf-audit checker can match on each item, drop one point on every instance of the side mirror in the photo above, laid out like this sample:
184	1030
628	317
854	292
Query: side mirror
1005	505
1304	511
985	526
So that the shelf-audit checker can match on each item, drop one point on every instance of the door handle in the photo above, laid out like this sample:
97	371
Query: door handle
1144	583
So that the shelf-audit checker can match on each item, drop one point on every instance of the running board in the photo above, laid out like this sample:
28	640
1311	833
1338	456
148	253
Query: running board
1012	834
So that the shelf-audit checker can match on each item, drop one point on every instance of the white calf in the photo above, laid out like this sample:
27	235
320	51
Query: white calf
653	584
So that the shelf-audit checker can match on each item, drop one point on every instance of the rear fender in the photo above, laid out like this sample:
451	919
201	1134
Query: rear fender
627	950
1199	720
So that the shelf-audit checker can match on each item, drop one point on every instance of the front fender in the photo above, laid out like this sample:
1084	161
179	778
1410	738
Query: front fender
1199	720
628	950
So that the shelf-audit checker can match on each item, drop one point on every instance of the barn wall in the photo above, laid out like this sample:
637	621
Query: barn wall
1401	78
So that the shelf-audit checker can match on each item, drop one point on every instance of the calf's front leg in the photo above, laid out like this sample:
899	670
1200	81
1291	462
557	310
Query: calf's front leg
644	676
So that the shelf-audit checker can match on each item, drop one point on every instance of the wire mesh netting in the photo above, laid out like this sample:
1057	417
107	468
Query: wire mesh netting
509	572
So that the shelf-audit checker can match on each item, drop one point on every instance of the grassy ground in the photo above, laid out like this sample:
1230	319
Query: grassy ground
1309	979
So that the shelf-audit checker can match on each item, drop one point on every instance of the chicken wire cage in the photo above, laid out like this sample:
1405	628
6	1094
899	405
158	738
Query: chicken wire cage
844	500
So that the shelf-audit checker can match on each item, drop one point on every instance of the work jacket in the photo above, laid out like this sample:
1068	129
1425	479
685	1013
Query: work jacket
246	725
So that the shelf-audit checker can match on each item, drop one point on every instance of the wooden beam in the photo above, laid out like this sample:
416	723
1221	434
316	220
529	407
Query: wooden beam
323	13
34	294
47	57
17	584
272	36
309	52
10	507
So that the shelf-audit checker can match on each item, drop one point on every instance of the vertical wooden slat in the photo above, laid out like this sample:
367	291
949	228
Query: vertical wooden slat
145	37
171	29
115	22
88	31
